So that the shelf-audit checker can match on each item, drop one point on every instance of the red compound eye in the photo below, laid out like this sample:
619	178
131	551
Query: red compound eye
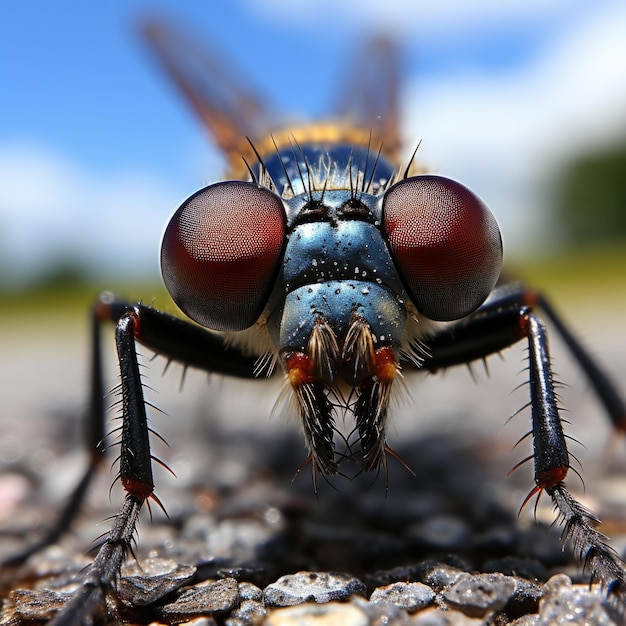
446	244
221	251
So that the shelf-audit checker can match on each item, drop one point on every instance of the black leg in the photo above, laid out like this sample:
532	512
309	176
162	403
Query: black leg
181	340
88	601
506	318
497	325
172	337
175	339
135	474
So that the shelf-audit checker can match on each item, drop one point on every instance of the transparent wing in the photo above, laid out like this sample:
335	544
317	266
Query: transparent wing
228	110
232	112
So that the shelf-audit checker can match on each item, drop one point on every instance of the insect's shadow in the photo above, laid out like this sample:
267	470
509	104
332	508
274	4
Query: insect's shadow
456	507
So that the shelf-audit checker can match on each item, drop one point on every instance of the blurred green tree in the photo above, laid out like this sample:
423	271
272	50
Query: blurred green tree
590	198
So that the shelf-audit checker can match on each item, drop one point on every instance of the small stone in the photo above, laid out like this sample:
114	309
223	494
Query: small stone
25	606
438	575
248	613
477	595
248	591
145	583
438	617
562	600
331	614
409	596
317	587
210	599
381	613
525	599
526	620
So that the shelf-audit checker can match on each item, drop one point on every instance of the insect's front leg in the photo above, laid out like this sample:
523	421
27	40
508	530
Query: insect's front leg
506	318
135	474
551	460
175	339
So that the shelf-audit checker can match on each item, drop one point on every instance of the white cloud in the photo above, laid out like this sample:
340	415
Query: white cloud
505	134
508	135
502	134
51	210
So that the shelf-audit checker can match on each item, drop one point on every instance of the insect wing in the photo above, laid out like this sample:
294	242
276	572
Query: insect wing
233	113
229	111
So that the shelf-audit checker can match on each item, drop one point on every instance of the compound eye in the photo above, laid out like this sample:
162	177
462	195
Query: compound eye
446	244
221	251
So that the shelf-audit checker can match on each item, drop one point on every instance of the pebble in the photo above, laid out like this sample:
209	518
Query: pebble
248	591
381	613
331	614
480	594
248	613
562	601
25	606
525	599
146	583
409	596
212	598
439	575
437	617
316	587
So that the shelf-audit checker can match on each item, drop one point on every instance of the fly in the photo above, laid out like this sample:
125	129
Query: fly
328	258
324	258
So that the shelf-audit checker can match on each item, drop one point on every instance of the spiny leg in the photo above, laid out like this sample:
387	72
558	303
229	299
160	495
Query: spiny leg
170	336
504	319
100	576
135	475
551	459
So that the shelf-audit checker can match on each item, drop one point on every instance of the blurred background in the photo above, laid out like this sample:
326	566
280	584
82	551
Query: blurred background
523	101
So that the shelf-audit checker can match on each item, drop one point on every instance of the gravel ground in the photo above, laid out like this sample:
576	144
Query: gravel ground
246	544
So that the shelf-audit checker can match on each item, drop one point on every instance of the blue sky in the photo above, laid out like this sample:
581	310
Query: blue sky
97	149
